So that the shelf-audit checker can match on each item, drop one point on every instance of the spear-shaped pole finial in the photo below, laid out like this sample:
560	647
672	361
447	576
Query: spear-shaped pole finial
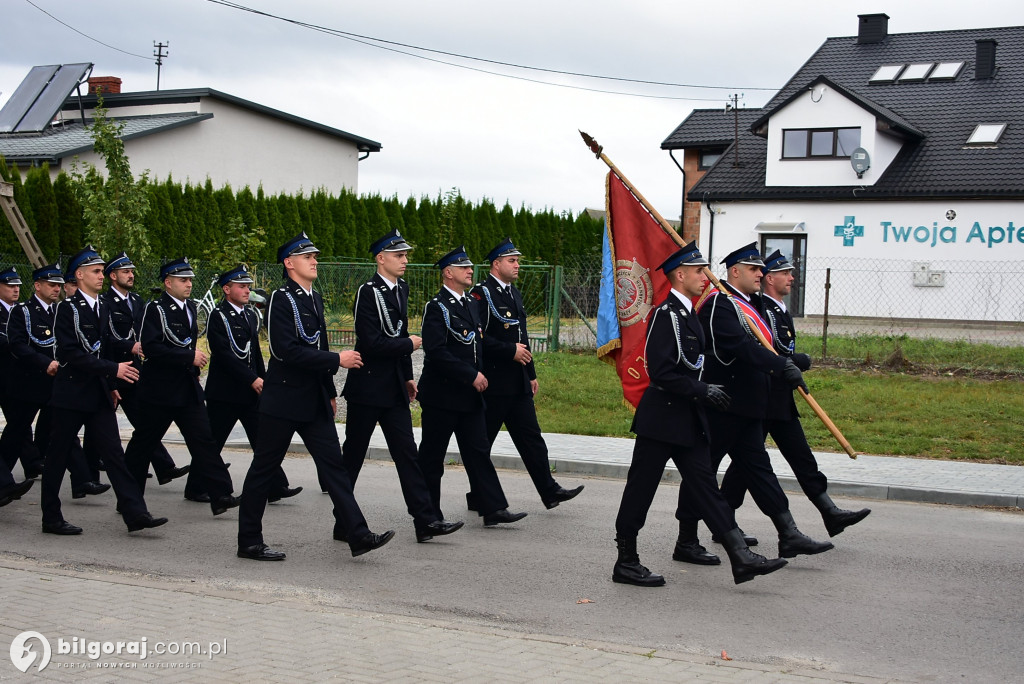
592	144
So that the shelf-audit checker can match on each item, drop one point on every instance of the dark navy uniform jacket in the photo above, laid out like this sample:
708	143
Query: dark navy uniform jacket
300	375
6	360
782	405
235	357
504	375
453	354
669	410
32	343
168	376
382	338
124	324
734	358
85	378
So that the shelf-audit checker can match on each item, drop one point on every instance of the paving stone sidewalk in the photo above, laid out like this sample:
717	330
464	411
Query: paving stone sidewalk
279	637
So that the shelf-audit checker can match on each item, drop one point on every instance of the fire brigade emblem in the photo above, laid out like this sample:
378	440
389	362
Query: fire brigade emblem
634	292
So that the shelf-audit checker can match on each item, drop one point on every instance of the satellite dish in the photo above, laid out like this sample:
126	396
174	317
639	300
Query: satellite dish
860	160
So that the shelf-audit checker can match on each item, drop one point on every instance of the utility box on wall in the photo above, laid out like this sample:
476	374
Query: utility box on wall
924	276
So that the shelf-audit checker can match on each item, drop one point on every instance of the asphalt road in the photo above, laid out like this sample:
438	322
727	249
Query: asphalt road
916	592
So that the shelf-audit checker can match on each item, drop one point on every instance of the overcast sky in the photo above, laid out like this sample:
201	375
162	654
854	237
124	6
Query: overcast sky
442	126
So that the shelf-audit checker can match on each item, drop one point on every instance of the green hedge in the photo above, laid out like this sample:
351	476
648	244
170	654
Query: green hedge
187	219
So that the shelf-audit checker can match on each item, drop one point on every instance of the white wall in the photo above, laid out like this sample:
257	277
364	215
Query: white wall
980	256
241	147
826	108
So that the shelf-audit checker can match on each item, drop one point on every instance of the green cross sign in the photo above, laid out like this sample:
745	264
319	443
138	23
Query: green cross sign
849	230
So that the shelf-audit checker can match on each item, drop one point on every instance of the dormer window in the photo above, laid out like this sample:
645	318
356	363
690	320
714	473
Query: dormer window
986	134
819	143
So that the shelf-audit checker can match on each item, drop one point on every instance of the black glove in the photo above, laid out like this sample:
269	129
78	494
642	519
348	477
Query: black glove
715	397
802	361
793	376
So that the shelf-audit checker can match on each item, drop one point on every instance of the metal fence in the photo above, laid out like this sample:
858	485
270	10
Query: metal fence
978	302
338	282
970	301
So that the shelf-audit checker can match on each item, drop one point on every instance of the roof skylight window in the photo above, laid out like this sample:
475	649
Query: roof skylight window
916	72
886	73
946	70
986	134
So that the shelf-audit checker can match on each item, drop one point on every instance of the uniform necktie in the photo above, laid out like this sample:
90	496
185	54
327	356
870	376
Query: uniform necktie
96	309
465	302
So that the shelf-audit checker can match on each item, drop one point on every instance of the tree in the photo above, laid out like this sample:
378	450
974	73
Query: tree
115	208
46	227
239	246
448	216
69	213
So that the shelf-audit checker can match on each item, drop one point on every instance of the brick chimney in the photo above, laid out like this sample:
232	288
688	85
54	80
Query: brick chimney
104	85
872	28
985	58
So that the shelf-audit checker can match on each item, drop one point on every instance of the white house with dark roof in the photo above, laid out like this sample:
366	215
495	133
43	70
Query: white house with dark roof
190	134
897	158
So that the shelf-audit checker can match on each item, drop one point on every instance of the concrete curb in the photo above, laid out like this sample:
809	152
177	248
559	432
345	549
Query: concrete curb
618	470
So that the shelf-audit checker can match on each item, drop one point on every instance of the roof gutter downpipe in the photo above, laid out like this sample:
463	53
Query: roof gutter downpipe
711	227
682	204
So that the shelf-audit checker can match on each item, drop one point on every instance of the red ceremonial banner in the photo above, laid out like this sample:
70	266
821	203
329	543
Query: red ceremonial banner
638	245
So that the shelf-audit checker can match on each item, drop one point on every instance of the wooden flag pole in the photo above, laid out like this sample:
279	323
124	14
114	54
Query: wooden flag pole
598	151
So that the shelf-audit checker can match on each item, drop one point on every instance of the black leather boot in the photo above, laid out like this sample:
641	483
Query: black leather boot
628	569
688	548
746	565
836	519
748	539
793	542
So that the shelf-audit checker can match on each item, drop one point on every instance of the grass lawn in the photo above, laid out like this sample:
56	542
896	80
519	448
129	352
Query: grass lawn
878	412
931	354
934	414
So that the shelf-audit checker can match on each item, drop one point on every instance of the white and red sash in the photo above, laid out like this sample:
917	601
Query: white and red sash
742	307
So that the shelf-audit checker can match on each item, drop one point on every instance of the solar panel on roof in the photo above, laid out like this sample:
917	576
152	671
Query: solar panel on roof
25	96
49	102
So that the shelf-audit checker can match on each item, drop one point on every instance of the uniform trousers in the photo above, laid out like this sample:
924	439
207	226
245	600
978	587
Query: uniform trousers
396	424
223	418
645	472
101	434
17	442
321	439
743	439
6	478
25	453
194	424
519	415
470	430
161	459
790	439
